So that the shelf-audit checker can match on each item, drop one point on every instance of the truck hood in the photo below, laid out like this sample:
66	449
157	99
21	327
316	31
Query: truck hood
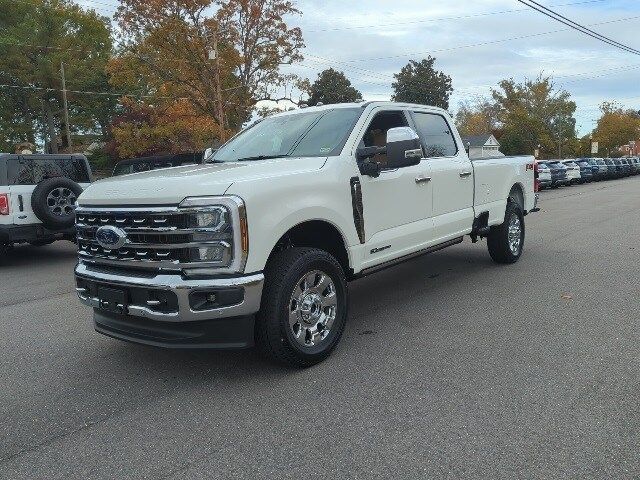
170	186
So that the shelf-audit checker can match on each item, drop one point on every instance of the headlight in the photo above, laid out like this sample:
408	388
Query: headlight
219	236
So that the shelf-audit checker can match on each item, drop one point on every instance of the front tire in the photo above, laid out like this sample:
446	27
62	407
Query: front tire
304	307
506	241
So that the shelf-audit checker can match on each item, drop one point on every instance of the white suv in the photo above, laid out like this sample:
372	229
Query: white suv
38	195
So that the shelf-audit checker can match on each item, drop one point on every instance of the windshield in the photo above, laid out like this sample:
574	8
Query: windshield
311	134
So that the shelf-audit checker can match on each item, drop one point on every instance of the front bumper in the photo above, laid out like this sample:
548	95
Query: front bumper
170	311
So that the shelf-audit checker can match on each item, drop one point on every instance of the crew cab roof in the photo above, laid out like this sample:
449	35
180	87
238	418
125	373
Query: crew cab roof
362	105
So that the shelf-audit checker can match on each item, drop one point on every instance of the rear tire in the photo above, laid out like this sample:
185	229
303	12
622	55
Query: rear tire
506	241
304	287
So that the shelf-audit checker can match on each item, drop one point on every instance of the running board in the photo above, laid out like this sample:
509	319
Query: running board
411	256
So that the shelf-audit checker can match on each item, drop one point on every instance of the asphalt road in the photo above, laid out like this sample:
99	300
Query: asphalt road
450	367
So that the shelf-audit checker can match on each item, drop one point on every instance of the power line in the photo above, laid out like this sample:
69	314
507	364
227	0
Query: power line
576	26
438	19
113	94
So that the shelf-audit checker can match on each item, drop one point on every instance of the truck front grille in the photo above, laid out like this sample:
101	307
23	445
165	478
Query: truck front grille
162	238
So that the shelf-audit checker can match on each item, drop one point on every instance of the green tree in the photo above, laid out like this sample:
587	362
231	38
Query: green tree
419	82
535	113
36	37
331	87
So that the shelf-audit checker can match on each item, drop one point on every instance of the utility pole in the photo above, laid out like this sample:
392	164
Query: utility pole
66	108
221	120
559	141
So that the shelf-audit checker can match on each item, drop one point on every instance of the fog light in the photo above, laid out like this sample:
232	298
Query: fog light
211	297
220	253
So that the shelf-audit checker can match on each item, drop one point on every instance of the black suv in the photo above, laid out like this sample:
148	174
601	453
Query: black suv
38	195
156	162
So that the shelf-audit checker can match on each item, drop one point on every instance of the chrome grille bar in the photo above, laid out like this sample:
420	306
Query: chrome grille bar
157	238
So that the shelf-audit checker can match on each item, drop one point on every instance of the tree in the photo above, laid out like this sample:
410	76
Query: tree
535	113
616	127
143	130
477	117
419	82
331	87
36	37
221	63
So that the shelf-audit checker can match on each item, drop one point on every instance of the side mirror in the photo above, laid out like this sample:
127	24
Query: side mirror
403	147
207	154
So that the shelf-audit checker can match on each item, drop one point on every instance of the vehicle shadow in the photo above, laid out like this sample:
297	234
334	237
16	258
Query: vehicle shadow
121	376
61	253
412	281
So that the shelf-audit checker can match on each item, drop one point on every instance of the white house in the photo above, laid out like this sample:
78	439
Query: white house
482	146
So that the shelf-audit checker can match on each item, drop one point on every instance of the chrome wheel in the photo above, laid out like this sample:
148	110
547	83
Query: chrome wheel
61	201
514	234
312	308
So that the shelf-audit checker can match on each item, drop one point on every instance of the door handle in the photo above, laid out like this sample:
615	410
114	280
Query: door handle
465	174
423	179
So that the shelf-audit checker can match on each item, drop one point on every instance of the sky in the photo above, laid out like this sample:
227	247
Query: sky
478	43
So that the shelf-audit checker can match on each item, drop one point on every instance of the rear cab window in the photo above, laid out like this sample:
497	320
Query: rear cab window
32	169
436	135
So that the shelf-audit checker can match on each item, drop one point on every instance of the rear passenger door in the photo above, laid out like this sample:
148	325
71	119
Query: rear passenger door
452	176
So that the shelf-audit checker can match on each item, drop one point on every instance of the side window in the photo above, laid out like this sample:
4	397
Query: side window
3	172
31	171
435	134
376	133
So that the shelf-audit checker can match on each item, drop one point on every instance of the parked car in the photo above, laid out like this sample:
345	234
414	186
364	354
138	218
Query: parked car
598	170
258	244
559	175
603	169
635	163
626	167
586	170
37	197
621	171
612	168
544	175
573	172
156	162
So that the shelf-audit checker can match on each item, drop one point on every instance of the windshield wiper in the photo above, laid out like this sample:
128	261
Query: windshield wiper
260	157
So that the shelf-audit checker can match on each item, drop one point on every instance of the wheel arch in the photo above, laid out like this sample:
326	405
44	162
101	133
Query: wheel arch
316	233
517	195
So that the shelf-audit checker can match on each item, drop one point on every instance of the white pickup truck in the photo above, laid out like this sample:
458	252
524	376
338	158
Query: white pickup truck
257	245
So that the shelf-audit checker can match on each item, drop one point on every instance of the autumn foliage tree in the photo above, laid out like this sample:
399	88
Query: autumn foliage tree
175	128
178	57
616	127
535	113
477	117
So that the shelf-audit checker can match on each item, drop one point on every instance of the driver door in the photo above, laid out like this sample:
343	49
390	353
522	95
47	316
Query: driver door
397	205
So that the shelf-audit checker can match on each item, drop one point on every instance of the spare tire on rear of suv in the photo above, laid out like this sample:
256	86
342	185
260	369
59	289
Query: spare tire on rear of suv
53	202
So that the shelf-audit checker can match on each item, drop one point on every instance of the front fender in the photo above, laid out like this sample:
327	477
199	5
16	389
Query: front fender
276	206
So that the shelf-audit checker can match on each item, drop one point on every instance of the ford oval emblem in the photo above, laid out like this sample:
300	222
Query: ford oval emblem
111	238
